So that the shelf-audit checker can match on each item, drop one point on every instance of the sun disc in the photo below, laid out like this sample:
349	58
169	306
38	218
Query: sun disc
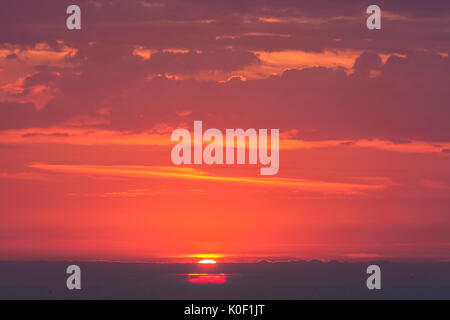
207	261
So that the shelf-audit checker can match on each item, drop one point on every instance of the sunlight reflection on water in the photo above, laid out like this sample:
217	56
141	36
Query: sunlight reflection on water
207	278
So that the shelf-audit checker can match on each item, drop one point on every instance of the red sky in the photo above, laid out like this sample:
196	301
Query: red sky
86	118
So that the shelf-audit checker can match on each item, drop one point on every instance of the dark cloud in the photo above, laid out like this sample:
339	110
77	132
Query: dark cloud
57	134
406	98
17	115
402	102
313	25
192	62
11	56
40	78
392	105
367	62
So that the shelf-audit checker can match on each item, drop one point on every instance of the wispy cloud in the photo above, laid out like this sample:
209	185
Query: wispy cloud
194	174
24	176
160	136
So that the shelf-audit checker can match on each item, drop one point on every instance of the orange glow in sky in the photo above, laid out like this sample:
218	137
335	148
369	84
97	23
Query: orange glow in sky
86	128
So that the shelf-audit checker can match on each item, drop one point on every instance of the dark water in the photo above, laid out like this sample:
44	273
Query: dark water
294	280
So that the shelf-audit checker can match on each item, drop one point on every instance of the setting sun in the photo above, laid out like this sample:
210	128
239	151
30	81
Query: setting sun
207	261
